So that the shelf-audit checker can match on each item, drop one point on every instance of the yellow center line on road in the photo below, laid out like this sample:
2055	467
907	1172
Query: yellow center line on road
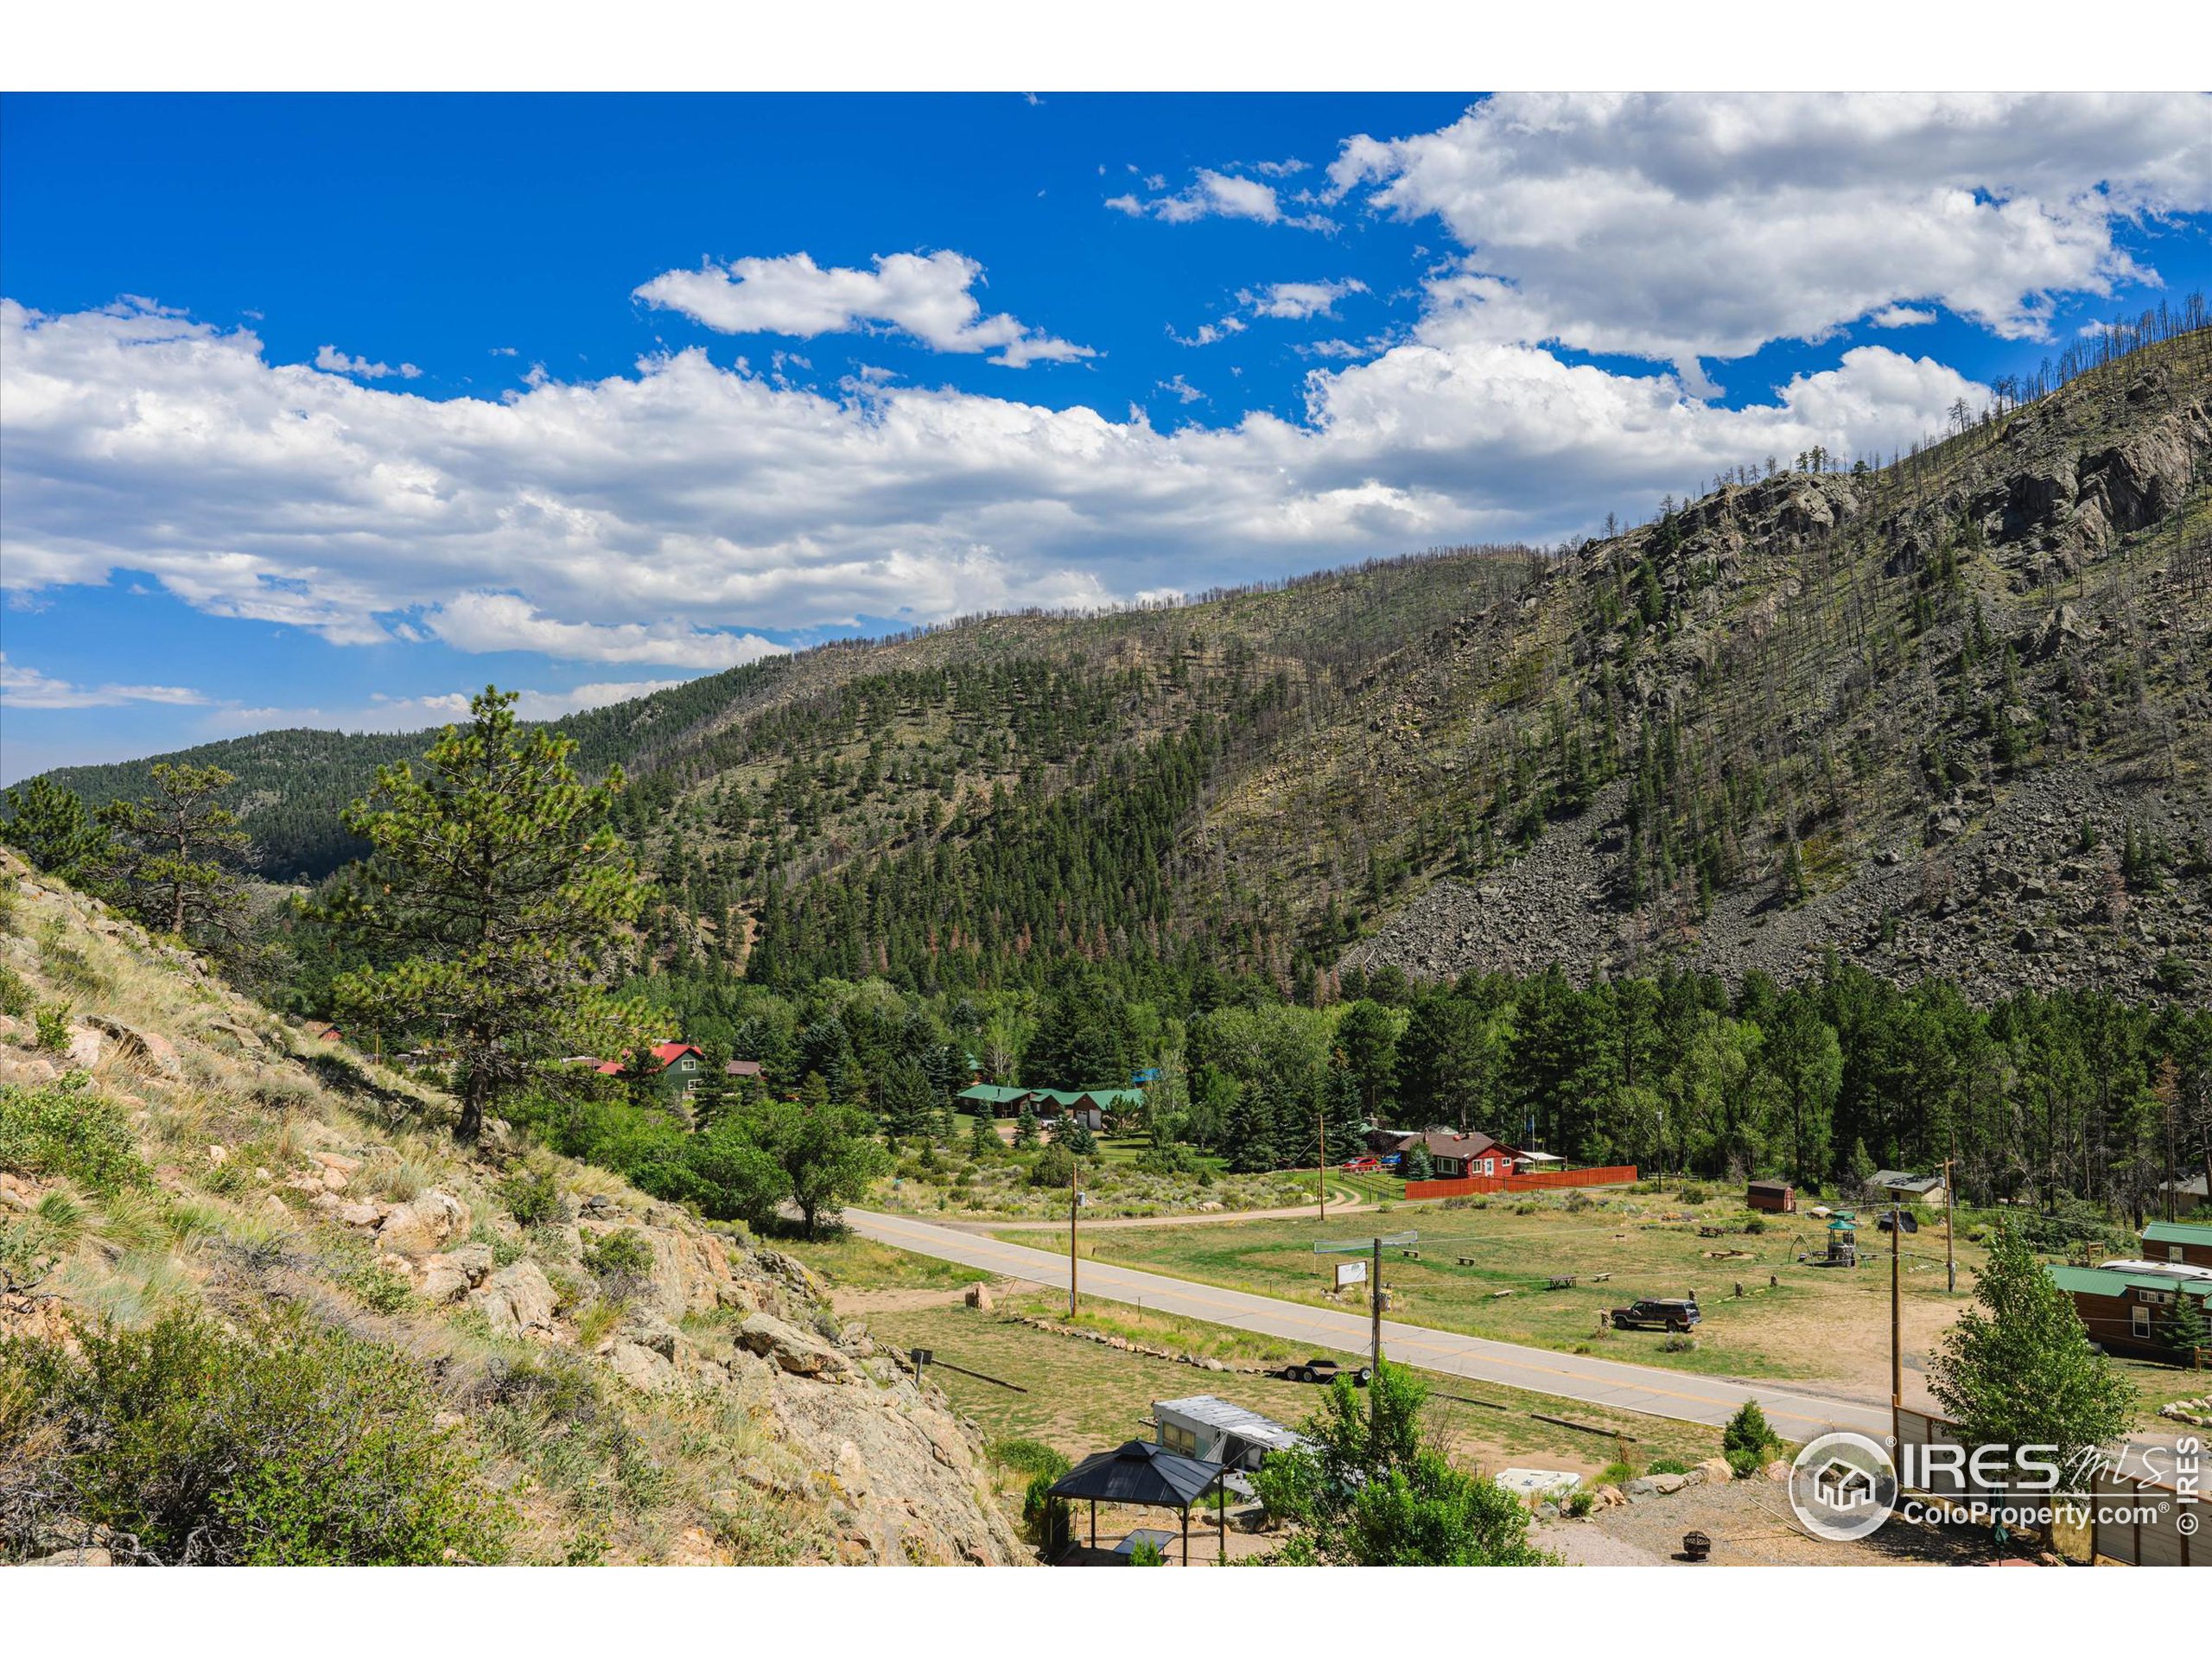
1103	1278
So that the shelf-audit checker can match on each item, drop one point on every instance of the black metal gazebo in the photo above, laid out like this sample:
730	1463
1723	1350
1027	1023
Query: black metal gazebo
1139	1473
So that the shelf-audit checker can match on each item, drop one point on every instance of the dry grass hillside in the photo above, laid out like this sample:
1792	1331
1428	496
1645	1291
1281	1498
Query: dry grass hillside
202	1216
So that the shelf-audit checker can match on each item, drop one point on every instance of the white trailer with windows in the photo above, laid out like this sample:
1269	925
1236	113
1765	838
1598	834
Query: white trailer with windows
1220	1431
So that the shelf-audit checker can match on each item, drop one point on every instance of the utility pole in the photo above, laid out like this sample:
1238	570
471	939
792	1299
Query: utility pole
1897	1336
1074	1202
1321	1173
1950	1210
1374	1248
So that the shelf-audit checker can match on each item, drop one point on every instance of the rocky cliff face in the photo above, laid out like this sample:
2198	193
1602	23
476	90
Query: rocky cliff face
714	1409
1958	690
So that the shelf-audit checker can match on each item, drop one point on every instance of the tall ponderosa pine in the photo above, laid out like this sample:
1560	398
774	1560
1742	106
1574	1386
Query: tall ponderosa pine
495	899
171	865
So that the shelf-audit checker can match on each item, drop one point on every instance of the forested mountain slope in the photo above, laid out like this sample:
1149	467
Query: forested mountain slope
1946	714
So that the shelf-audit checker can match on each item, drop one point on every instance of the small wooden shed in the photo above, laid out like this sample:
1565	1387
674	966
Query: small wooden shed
1776	1198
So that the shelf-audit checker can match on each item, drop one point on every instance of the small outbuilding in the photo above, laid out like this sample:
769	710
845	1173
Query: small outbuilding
1776	1198
1903	1186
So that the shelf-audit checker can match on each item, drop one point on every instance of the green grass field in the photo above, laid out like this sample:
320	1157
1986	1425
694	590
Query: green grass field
1083	1397
1487	1267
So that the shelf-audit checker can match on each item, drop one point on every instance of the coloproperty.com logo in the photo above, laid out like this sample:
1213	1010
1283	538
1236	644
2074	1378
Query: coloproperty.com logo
1843	1486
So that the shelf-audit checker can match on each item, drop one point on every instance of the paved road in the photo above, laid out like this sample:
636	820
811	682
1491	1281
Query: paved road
1571	1376
1294	1212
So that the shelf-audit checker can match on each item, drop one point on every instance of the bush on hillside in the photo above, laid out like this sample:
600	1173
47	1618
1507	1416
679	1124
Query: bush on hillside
532	1195
622	1263
68	1129
288	1444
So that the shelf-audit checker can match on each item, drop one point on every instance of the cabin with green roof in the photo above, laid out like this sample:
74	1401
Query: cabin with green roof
2189	1242
996	1099
2130	1312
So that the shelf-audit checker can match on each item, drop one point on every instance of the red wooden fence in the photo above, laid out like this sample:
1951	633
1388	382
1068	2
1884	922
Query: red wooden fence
1528	1181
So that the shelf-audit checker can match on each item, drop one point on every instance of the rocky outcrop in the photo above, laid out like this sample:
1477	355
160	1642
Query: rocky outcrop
855	1459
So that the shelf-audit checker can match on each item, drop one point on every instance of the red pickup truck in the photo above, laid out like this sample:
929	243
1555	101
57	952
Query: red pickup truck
1363	1166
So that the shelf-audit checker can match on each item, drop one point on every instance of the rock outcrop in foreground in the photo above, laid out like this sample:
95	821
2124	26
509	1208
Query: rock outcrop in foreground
686	1397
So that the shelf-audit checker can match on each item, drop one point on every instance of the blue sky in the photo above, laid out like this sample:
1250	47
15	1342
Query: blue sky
322	411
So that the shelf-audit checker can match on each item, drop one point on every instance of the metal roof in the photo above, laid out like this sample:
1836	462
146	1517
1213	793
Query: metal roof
1216	1412
1137	1471
2178	1232
1904	1179
2101	1281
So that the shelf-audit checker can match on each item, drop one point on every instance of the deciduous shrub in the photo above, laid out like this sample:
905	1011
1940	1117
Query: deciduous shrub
288	1443
622	1263
532	1195
69	1129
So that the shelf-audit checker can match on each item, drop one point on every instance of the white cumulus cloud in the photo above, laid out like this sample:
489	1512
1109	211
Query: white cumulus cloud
663	515
1679	226
928	297
1300	300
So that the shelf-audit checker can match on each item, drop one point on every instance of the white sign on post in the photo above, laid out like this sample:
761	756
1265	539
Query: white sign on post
1351	1273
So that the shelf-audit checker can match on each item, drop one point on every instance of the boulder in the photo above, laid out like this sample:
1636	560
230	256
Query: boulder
85	1047
978	1296
646	1329
791	1348
360	1215
1717	1471
641	1367
1778	1470
517	1300
26	1070
146	1048
1667	1486
425	1224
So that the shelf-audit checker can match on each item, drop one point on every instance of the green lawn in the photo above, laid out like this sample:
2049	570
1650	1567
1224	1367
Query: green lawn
1084	1397
1486	1268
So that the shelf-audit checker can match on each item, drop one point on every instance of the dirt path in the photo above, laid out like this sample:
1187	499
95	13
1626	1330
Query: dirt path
852	1303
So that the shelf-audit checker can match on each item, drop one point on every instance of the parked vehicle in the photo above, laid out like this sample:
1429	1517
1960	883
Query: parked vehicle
1657	1314
1324	1370
1362	1165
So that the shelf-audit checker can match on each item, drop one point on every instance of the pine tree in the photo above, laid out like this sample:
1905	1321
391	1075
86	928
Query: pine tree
909	1103
1251	1134
713	1097
2189	1330
1025	1129
982	1139
171	863
494	896
51	828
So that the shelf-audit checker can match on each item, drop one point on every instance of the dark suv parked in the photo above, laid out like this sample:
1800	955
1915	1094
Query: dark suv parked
1668	1313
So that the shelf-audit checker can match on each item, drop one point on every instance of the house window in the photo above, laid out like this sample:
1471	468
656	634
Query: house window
690	1065
2173	1252
1176	1438
2142	1320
